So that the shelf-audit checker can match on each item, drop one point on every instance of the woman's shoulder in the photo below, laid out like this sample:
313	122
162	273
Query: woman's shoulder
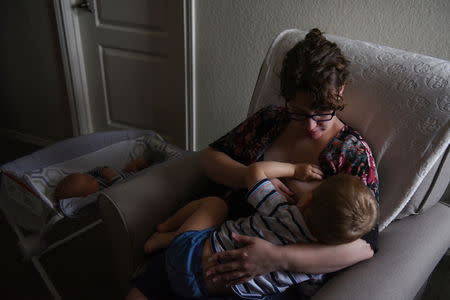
351	139
348	150
348	133
270	115
271	110
349	153
258	130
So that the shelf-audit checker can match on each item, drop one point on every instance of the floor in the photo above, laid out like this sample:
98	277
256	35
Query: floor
73	279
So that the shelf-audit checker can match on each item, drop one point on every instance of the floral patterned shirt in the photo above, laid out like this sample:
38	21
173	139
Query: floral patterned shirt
347	152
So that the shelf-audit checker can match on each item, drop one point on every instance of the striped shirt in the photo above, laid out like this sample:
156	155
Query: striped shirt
276	221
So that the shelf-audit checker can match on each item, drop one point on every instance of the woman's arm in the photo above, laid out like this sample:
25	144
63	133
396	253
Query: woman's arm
317	258
225	159
222	169
258	257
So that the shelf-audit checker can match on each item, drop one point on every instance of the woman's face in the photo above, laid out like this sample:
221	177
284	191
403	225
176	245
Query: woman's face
301	105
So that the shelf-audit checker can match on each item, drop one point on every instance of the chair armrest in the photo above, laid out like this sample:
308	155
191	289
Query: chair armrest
409	250
132	210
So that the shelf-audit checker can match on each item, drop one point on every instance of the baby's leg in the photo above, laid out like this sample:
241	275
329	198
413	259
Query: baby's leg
211	212
177	219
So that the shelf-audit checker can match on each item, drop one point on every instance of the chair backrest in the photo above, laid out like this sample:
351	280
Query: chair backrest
400	102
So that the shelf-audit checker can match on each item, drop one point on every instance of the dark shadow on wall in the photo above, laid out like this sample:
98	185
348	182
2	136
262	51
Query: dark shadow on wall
33	95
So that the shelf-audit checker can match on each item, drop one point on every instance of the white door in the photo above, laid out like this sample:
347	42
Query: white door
134	65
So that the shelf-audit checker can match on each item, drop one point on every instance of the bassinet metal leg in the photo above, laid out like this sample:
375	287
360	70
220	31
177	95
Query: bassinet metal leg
37	264
71	236
35	258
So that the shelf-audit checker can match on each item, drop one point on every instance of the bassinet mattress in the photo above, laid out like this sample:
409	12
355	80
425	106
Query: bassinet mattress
27	197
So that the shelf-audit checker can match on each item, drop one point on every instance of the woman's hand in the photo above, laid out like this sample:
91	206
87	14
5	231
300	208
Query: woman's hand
284	190
308	172
243	264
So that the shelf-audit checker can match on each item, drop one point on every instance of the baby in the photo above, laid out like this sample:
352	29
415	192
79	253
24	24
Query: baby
339	210
84	184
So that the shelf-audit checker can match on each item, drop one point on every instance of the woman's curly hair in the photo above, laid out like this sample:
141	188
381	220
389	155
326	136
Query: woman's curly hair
317	66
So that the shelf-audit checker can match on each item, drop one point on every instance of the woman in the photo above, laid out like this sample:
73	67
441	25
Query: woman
306	130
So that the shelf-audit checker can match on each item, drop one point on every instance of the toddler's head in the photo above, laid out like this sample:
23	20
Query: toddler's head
341	209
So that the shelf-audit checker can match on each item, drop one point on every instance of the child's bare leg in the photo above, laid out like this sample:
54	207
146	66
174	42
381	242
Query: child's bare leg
211	212
177	219
167	230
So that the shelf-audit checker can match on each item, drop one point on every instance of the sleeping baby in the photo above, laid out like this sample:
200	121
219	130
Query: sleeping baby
84	184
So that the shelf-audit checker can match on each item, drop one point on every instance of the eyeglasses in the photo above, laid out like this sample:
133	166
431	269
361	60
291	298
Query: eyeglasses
304	117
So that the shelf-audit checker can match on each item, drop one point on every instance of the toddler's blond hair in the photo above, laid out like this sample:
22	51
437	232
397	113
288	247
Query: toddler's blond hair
342	210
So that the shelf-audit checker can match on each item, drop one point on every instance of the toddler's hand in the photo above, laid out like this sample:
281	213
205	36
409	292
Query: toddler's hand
308	172
284	190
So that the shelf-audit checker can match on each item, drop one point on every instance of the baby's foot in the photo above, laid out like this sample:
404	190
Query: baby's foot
158	240
136	165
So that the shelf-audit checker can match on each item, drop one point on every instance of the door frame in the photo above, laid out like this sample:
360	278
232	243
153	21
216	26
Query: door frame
75	73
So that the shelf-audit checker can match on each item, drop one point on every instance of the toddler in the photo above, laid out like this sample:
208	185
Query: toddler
339	210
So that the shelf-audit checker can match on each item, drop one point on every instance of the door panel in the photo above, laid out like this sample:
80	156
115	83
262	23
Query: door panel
143	14
132	76
133	52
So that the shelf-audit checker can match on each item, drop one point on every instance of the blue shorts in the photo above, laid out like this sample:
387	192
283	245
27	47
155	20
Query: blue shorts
154	283
184	263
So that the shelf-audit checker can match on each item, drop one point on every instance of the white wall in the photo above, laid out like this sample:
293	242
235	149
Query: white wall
232	37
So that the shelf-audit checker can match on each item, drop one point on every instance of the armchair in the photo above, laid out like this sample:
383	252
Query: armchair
400	102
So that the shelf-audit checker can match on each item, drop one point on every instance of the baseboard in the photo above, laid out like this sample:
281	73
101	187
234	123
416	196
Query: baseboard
24	137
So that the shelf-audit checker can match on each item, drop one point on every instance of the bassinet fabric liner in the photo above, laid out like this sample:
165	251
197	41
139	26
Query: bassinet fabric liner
41	182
